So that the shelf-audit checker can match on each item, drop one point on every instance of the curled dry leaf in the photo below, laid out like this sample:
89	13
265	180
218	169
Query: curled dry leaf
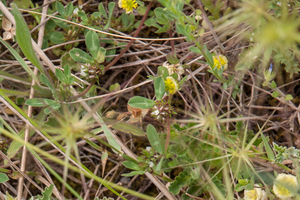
137	114
111	114
10	31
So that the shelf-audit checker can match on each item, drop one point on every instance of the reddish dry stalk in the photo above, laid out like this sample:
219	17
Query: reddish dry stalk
132	40
172	42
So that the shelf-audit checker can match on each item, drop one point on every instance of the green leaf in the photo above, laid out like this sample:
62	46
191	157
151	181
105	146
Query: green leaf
110	52
60	75
15	146
175	76
158	166
125	19
269	151
46	81
273	85
289	97
111	7
131	165
125	127
20	60
3	178
66	59
83	16
102	10
195	50
113	87
46	195
24	39
92	42
50	25
101	55
163	71
160	88
22	3
133	173
172	58
52	107
56	37
181	180
69	9
109	136
128	128
275	94
67	71
141	102
81	56
60	9
208	56
154	139
141	10
150	22
182	81
163	29
39	102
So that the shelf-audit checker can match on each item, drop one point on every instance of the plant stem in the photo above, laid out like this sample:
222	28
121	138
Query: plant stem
168	134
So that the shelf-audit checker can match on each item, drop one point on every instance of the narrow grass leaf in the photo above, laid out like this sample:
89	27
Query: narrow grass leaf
269	151
20	60
109	136
39	102
133	173
24	39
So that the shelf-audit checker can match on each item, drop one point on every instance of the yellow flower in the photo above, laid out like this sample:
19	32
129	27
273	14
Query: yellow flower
285	186
171	85
127	5
220	61
255	194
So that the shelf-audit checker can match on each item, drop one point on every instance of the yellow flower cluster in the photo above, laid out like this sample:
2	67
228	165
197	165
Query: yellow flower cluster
255	194
171	85
285	186
220	61
128	5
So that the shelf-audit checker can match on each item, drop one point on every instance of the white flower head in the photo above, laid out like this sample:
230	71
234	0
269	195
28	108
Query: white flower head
156	112
83	70
278	3
198	17
75	11
174	68
151	164
285	186
148	148
255	194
